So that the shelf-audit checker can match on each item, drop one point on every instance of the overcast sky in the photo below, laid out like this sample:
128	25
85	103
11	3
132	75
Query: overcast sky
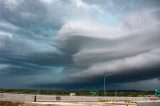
72	44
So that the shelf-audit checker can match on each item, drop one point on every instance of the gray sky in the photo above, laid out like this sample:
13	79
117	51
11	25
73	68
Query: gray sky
71	44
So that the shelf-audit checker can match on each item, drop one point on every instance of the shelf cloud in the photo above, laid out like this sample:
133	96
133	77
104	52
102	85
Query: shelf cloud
71	44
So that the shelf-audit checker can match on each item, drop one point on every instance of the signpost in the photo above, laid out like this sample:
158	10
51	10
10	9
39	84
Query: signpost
157	92
94	92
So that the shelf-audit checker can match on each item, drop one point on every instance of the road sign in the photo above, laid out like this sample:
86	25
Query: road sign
94	92
157	92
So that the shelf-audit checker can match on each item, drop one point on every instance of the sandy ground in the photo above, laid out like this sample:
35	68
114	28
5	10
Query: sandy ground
83	104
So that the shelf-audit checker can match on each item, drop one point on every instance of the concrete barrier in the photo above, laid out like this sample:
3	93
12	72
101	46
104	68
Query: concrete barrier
83	99
45	98
17	97
58	98
149	103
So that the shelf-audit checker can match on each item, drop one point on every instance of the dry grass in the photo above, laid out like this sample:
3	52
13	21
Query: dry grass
9	103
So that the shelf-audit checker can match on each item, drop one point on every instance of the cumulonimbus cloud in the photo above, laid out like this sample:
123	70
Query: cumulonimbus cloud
131	48
75	42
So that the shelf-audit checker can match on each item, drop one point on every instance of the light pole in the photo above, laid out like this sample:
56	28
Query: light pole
105	82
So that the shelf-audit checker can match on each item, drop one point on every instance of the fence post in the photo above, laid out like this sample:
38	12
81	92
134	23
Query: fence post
35	98
1	95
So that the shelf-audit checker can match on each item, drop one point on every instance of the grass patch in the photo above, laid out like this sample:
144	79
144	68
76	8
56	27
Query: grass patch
9	103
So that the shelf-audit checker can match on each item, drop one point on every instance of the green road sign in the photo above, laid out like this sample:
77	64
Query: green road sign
157	92
94	92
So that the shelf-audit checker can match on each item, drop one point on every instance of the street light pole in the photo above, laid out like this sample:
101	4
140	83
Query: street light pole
104	85
105	82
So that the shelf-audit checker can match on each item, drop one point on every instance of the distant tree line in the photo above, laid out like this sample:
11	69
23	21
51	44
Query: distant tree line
132	93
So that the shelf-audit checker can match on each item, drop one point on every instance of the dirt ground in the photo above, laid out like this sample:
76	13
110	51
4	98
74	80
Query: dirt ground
10	103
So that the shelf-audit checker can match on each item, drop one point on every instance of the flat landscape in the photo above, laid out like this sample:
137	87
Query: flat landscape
14	99
79	52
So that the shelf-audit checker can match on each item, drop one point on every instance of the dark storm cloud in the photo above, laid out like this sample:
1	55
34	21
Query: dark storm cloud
131	56
67	43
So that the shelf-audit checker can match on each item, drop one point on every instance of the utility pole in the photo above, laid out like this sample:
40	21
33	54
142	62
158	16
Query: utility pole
105	83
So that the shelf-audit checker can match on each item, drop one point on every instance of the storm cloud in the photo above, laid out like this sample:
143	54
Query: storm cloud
74	43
